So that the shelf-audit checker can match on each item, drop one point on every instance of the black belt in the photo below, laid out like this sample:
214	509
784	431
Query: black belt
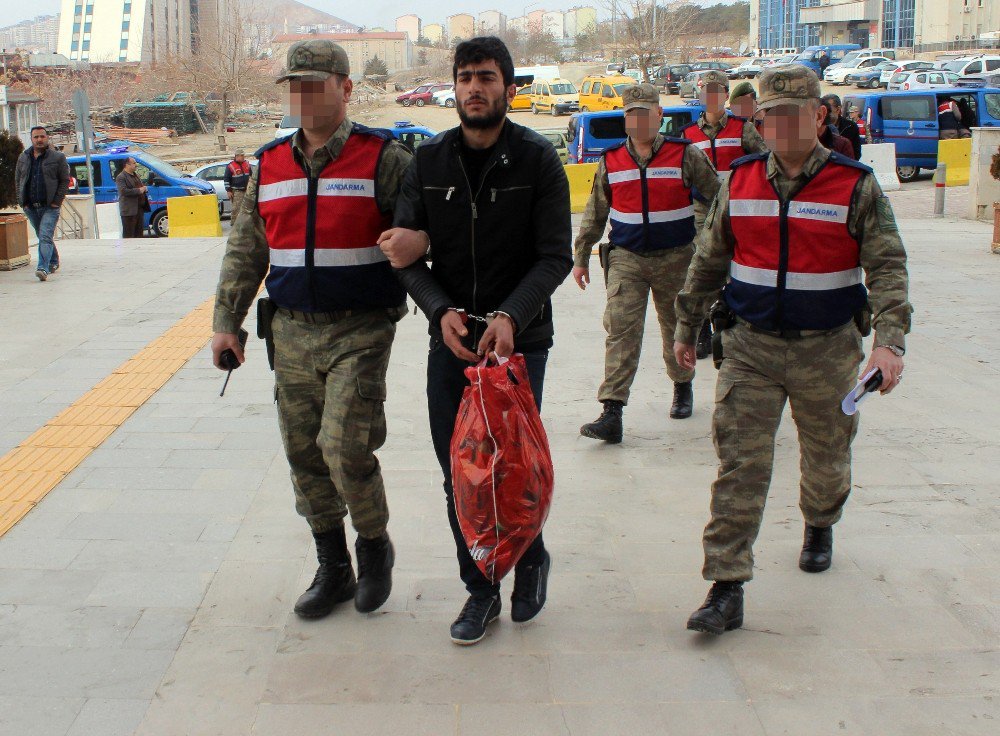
790	334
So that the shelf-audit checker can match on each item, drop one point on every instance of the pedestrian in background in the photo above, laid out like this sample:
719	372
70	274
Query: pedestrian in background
133	201
235	180
646	187
843	124
41	177
798	234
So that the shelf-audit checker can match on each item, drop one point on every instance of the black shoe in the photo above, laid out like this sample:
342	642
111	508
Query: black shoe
817	549
375	560
477	613
531	584
334	582
722	610
683	401
704	347
608	426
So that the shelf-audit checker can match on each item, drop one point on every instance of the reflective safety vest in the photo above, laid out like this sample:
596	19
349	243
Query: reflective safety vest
651	209
322	231
795	264
726	147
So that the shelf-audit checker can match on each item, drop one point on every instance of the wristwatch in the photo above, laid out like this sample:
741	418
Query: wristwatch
896	350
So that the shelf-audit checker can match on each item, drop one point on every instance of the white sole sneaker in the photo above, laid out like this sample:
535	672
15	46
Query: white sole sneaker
41	275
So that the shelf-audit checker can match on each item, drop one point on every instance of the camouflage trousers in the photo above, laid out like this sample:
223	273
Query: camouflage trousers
238	195
758	374
631	279
330	390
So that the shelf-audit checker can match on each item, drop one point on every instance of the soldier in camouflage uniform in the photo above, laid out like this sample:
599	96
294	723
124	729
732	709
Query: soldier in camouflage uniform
794	231
723	137
645	187
311	217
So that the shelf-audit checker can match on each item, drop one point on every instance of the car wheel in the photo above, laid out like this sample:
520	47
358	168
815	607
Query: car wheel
420	103
159	224
406	103
449	103
907	174
534	109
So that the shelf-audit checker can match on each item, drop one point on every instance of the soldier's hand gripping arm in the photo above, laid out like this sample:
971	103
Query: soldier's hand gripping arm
244	266
883	259
595	220
706	275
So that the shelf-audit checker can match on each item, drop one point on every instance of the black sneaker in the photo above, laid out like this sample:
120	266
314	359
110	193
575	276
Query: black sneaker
608	426
722	611
531	584
817	549
477	613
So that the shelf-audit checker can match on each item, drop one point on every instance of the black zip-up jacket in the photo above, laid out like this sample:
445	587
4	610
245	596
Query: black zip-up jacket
502	244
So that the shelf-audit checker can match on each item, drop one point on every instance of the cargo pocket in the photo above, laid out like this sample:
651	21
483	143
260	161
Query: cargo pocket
369	419
725	430
612	310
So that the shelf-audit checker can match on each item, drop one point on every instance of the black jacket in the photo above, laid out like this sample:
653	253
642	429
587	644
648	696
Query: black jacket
849	129
506	248
55	171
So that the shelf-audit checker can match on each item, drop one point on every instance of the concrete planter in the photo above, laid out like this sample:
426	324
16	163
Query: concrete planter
13	241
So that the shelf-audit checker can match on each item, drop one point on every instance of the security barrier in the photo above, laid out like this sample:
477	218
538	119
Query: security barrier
882	158
956	154
195	216
581	181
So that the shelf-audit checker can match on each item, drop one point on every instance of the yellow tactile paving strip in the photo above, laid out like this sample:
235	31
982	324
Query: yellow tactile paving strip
40	463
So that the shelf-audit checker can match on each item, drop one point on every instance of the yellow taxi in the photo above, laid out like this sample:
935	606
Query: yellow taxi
522	100
555	96
604	92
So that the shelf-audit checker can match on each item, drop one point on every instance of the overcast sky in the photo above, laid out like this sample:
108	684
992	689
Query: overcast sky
374	13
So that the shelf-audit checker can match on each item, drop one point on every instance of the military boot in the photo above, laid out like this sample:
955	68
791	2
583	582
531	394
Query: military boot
817	549
375	560
683	401
334	582
721	611
608	426
704	347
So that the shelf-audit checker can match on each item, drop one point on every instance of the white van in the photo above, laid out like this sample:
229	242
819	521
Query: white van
527	74
852	57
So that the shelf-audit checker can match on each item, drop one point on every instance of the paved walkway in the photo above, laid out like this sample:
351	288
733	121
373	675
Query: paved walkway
150	592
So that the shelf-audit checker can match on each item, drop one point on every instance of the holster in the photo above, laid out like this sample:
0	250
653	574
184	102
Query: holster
863	319
266	309
722	318
604	256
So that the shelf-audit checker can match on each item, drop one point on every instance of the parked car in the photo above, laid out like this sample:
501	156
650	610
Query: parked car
749	69
285	127
408	134
810	55
603	93
910	121
557	137
422	94
556	96
635	74
871	77
214	173
921	79
442	96
784	60
700	66
521	101
598	131
852	58
669	77
838	75
164	182
902	66
985	80
692	84
979	70
974	65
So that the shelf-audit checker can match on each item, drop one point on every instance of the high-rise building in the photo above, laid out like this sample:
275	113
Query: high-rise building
492	22
461	26
535	20
411	25
554	23
395	49
930	25
38	34
580	20
434	32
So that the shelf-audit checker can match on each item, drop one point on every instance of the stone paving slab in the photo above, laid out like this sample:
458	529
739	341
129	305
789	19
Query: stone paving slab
151	592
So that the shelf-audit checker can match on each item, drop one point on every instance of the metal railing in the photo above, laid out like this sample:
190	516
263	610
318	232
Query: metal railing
966	45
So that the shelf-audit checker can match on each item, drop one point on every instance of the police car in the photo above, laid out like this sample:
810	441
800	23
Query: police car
408	134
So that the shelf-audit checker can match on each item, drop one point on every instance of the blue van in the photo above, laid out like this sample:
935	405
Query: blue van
598	131
836	52
164	181
910	120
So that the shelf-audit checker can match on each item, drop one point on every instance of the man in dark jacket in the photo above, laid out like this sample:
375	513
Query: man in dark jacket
844	125
133	202
492	200
41	178
829	137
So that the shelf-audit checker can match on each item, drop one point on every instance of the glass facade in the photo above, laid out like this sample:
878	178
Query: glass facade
780	26
897	23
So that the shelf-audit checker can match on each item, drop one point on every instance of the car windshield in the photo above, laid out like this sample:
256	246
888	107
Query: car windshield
160	166
886	65
850	57
804	56
955	66
563	89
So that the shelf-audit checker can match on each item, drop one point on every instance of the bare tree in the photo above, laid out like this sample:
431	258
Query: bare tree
644	33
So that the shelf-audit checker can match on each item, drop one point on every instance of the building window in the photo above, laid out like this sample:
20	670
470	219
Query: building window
86	27
125	25
86	45
124	44
75	45
897	23
780	26
76	28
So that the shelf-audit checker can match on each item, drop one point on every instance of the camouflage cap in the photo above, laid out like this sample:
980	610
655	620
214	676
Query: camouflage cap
792	84
741	89
315	58
641	95
239	152
714	76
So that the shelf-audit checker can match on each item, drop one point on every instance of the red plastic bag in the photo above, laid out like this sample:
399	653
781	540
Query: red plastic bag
501	467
